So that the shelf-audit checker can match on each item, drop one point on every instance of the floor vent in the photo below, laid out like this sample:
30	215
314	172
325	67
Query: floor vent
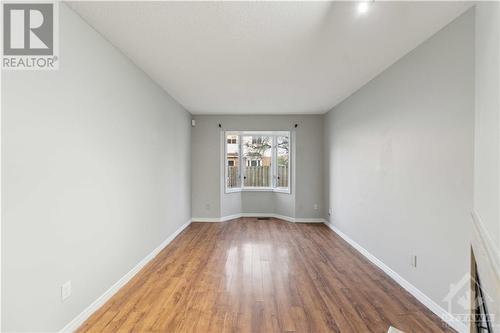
263	218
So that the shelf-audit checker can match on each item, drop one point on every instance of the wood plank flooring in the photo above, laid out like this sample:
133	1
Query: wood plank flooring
250	275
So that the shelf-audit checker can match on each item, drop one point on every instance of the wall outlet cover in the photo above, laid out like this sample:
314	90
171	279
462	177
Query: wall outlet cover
66	290
414	261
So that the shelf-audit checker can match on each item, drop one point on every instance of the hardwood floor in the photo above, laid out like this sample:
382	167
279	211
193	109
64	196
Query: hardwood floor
250	275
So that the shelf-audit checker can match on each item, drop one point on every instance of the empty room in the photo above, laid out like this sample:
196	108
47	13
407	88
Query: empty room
250	166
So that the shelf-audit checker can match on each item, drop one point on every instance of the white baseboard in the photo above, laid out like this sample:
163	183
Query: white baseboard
310	220
424	299
206	219
277	216
85	314
230	217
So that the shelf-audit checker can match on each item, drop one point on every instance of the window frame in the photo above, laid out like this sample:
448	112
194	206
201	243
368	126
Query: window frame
274	164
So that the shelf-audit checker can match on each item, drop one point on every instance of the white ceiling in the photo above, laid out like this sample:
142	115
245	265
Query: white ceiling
265	57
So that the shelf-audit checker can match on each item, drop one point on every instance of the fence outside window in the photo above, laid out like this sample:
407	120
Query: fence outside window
257	176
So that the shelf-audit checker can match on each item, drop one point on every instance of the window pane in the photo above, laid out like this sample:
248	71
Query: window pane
283	159
257	161
232	162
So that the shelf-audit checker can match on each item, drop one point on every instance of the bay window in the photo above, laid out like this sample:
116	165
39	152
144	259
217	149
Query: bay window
258	161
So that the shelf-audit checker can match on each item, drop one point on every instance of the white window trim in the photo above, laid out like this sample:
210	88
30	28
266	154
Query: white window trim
274	163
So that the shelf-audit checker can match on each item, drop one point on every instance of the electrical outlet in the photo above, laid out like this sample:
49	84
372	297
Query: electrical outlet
316	207
330	212
414	261
66	290
207	206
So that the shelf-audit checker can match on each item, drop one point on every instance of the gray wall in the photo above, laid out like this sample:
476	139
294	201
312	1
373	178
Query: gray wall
209	199
96	174
399	157
486	240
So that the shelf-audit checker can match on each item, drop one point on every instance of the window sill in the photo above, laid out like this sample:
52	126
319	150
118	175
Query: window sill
259	189
282	190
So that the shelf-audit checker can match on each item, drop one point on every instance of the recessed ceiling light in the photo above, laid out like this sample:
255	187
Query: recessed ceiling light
363	7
